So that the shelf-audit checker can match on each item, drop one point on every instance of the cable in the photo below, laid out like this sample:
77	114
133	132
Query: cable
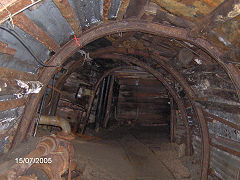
15	34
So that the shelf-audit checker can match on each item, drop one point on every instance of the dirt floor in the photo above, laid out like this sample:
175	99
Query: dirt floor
140	153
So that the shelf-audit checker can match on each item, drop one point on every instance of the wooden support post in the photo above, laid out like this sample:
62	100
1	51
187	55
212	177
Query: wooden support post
173	121
109	102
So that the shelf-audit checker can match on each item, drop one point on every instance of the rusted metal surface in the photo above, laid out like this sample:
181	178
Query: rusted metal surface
6	50
27	25
106	8
69	14
11	104
14	74
123	9
100	31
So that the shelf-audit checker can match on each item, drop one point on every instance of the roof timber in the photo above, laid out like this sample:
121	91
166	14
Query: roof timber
27	25
68	13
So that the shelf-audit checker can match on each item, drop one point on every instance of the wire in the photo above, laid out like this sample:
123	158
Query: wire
16	35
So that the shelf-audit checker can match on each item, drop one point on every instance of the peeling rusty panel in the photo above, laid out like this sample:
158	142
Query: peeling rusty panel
68	13
5	105
123	9
6	50
106	8
14	7
14	74
27	25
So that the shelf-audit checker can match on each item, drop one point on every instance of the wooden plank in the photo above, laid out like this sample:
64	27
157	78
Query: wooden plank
14	7
27	25
106	8
68	13
11	104
211	117
14	74
6	50
123	9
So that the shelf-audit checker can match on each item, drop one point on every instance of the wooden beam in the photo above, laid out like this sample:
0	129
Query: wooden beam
123	9
14	74
6	50
11	104
106	8
211	117
226	149
13	7
68	13
27	25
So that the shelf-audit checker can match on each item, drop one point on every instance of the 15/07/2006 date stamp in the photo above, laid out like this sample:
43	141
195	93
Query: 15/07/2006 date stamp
33	160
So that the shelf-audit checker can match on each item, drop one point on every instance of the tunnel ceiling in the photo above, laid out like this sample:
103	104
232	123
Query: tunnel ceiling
50	24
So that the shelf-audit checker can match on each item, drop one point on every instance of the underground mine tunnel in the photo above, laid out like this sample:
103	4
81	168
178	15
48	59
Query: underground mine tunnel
119	89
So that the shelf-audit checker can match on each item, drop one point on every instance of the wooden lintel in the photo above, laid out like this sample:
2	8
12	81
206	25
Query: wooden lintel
27	25
68	13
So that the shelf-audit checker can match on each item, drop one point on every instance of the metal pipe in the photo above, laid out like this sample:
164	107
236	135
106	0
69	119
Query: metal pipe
56	121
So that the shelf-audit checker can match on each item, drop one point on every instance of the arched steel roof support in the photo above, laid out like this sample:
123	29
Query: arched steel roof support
102	30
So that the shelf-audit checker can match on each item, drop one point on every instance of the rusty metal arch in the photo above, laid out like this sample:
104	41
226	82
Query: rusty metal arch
95	33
